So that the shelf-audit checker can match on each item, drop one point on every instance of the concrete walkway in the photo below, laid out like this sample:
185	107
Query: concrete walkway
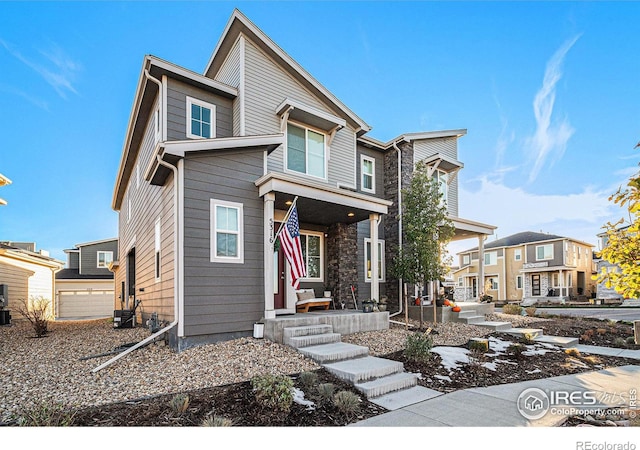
497	406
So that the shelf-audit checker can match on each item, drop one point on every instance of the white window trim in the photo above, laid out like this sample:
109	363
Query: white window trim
129	207
98	259
306	128
495	281
226	259
305	233
493	258
364	158
460	282
212	107
466	259
517	254
542	246
382	277
445	197
519	277
157	255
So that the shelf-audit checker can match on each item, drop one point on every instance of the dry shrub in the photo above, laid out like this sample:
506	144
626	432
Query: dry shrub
37	311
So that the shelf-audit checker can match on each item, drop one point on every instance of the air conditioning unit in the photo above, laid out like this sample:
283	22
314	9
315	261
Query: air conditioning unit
124	318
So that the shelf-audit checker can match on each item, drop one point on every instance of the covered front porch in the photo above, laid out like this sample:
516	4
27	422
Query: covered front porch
328	218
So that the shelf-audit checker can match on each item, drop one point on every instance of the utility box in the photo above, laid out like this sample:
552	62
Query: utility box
124	318
5	317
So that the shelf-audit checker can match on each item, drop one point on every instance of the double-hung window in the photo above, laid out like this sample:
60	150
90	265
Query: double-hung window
104	259
491	258
227	232
367	259
201	123
443	185
306	151
311	244
367	174
517	254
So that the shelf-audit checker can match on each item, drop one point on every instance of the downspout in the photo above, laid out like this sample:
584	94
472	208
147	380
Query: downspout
400	287
176	287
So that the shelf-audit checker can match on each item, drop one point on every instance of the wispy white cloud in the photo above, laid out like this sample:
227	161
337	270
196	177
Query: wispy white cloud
39	103
550	139
57	68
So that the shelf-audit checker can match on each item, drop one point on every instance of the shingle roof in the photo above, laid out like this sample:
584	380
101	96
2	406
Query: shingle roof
524	237
74	274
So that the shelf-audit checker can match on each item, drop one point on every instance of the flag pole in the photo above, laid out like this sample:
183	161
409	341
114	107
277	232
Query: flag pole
286	217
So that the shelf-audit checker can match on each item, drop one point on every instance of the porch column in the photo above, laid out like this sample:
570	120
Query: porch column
561	280
269	310
480	265
373	232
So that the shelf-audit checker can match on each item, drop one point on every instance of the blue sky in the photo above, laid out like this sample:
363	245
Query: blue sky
548	92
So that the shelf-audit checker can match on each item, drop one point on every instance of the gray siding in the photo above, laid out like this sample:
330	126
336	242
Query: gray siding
222	298
449	148
73	260
89	257
230	74
379	170
148	204
558	251
267	85
177	93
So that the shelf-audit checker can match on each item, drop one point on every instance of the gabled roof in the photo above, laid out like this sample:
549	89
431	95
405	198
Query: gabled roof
410	137
240	24
525	237
6	249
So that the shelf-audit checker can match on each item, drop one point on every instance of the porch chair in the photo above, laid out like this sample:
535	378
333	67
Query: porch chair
307	299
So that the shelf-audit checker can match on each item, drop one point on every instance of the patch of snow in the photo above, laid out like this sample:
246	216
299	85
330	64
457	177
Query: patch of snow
298	397
534	371
442	377
452	357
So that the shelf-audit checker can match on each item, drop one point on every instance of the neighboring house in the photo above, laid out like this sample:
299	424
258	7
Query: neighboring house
210	166
85	287
4	181
26	273
528	265
602	291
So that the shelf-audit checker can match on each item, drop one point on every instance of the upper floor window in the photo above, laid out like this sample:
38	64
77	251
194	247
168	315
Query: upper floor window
367	259
104	259
306	151
227	232
491	258
466	259
517	254
200	119
367	174
544	251
443	183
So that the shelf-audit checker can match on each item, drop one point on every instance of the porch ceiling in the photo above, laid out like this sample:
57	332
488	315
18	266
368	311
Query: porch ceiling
318	212
467	229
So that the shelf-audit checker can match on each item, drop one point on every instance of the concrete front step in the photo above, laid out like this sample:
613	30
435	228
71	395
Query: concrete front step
560	341
360	370
338	351
306	330
472	320
522	332
385	385
312	339
496	326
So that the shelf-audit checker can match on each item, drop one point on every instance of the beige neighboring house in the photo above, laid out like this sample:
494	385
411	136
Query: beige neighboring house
85	287
4	181
26	273
528	267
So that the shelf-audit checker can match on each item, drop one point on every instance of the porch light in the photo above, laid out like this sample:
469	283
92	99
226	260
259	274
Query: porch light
351	214
288	203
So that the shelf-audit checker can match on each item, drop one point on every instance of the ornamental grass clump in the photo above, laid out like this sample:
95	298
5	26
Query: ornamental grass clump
326	391
216	421
347	403
308	379
512	309
46	413
273	391
179	403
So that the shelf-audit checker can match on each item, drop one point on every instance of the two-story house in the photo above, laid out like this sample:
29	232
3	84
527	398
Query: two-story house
527	265
209	167
84	288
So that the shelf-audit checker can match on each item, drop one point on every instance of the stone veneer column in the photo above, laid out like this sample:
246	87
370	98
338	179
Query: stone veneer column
342	260
391	224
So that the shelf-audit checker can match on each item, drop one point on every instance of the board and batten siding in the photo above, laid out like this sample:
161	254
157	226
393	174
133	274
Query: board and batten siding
89	257
223	299
445	146
267	85
177	93
148	204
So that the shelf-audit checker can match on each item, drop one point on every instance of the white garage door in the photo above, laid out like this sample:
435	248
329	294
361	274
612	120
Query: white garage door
85	304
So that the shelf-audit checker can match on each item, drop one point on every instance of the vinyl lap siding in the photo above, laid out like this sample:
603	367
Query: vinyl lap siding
89	257
230	74
449	148
16	277
266	86
222	298
148	203
177	93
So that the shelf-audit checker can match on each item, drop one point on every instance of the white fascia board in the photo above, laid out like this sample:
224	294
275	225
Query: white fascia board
471	226
433	134
275	182
181	71
180	148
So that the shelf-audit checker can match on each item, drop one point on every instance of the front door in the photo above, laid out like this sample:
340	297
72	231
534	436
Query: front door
535	285
474	288
278	282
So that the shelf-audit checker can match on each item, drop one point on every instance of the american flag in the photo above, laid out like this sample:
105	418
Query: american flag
290	239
